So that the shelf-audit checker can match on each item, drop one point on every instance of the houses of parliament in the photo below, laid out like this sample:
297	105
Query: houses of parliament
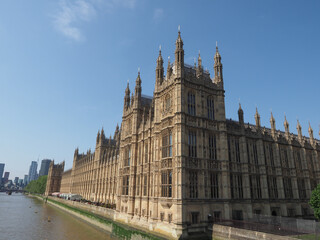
176	163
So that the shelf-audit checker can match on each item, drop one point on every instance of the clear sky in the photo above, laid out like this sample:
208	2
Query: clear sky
64	65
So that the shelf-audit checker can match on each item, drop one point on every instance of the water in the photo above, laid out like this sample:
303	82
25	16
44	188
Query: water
26	218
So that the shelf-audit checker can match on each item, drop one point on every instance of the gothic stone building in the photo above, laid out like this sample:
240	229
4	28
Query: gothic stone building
177	163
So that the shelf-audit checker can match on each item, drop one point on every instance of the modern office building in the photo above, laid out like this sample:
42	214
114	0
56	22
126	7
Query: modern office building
45	164
33	171
25	179
1	171
6	177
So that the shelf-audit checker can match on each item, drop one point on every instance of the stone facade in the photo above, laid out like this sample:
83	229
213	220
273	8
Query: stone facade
177	163
54	178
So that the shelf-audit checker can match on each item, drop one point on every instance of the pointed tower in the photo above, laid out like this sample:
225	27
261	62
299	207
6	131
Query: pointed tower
179	56
137	89
218	77
273	125
240	115
199	68
299	131
286	127
127	97
159	69
169	69
257	118
310	130
98	138
102	137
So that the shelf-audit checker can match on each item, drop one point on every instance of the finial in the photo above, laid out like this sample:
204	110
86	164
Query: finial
216	46
128	82
169	59
199	53
239	105
139	70
160	47
179	28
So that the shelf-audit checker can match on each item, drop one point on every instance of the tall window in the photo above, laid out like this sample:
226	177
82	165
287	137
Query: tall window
138	186
255	187
212	147
125	185
167	145
287	188
301	188
236	186
166	183
192	141
146	153
145	184
237	147
255	154
127	157
191	104
214	182
272	187
210	107
193	184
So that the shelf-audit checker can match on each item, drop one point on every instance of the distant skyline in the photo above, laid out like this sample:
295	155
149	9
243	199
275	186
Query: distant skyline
64	65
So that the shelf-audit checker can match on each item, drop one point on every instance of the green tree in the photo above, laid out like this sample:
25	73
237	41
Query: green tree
315	201
37	186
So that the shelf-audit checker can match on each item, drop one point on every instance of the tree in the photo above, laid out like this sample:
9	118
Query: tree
37	186
315	201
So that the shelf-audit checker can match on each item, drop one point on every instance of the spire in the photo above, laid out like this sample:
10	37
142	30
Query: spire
169	69
102	136
199	69
273	125
159	69
137	91
218	78
127	96
98	137
310	130
286	126
179	55
240	114
299	131
257	118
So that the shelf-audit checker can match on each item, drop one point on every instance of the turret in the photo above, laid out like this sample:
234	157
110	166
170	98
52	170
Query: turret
273	125
102	137
257	118
159	69
218	77
127	96
199	68
76	152
299	131
240	115
310	130
179	55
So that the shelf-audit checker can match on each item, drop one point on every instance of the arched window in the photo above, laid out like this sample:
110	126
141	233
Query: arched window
167	145
191	104
210	107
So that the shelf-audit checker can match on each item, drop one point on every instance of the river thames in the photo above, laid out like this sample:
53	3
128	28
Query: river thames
27	218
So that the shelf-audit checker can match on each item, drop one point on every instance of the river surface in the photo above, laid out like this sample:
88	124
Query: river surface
26	218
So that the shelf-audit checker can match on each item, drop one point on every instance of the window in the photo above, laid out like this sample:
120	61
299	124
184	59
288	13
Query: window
214	182
166	183
212	147
170	217
287	188
167	103
194	217
255	187
127	157
301	188
237	146
272	187
193	184
145	184
146	153
167	145
236	186
138	186
255	154
210	107
191	104
291	212
162	216
125	185
192	141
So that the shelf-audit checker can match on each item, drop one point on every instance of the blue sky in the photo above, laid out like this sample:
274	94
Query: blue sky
64	65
